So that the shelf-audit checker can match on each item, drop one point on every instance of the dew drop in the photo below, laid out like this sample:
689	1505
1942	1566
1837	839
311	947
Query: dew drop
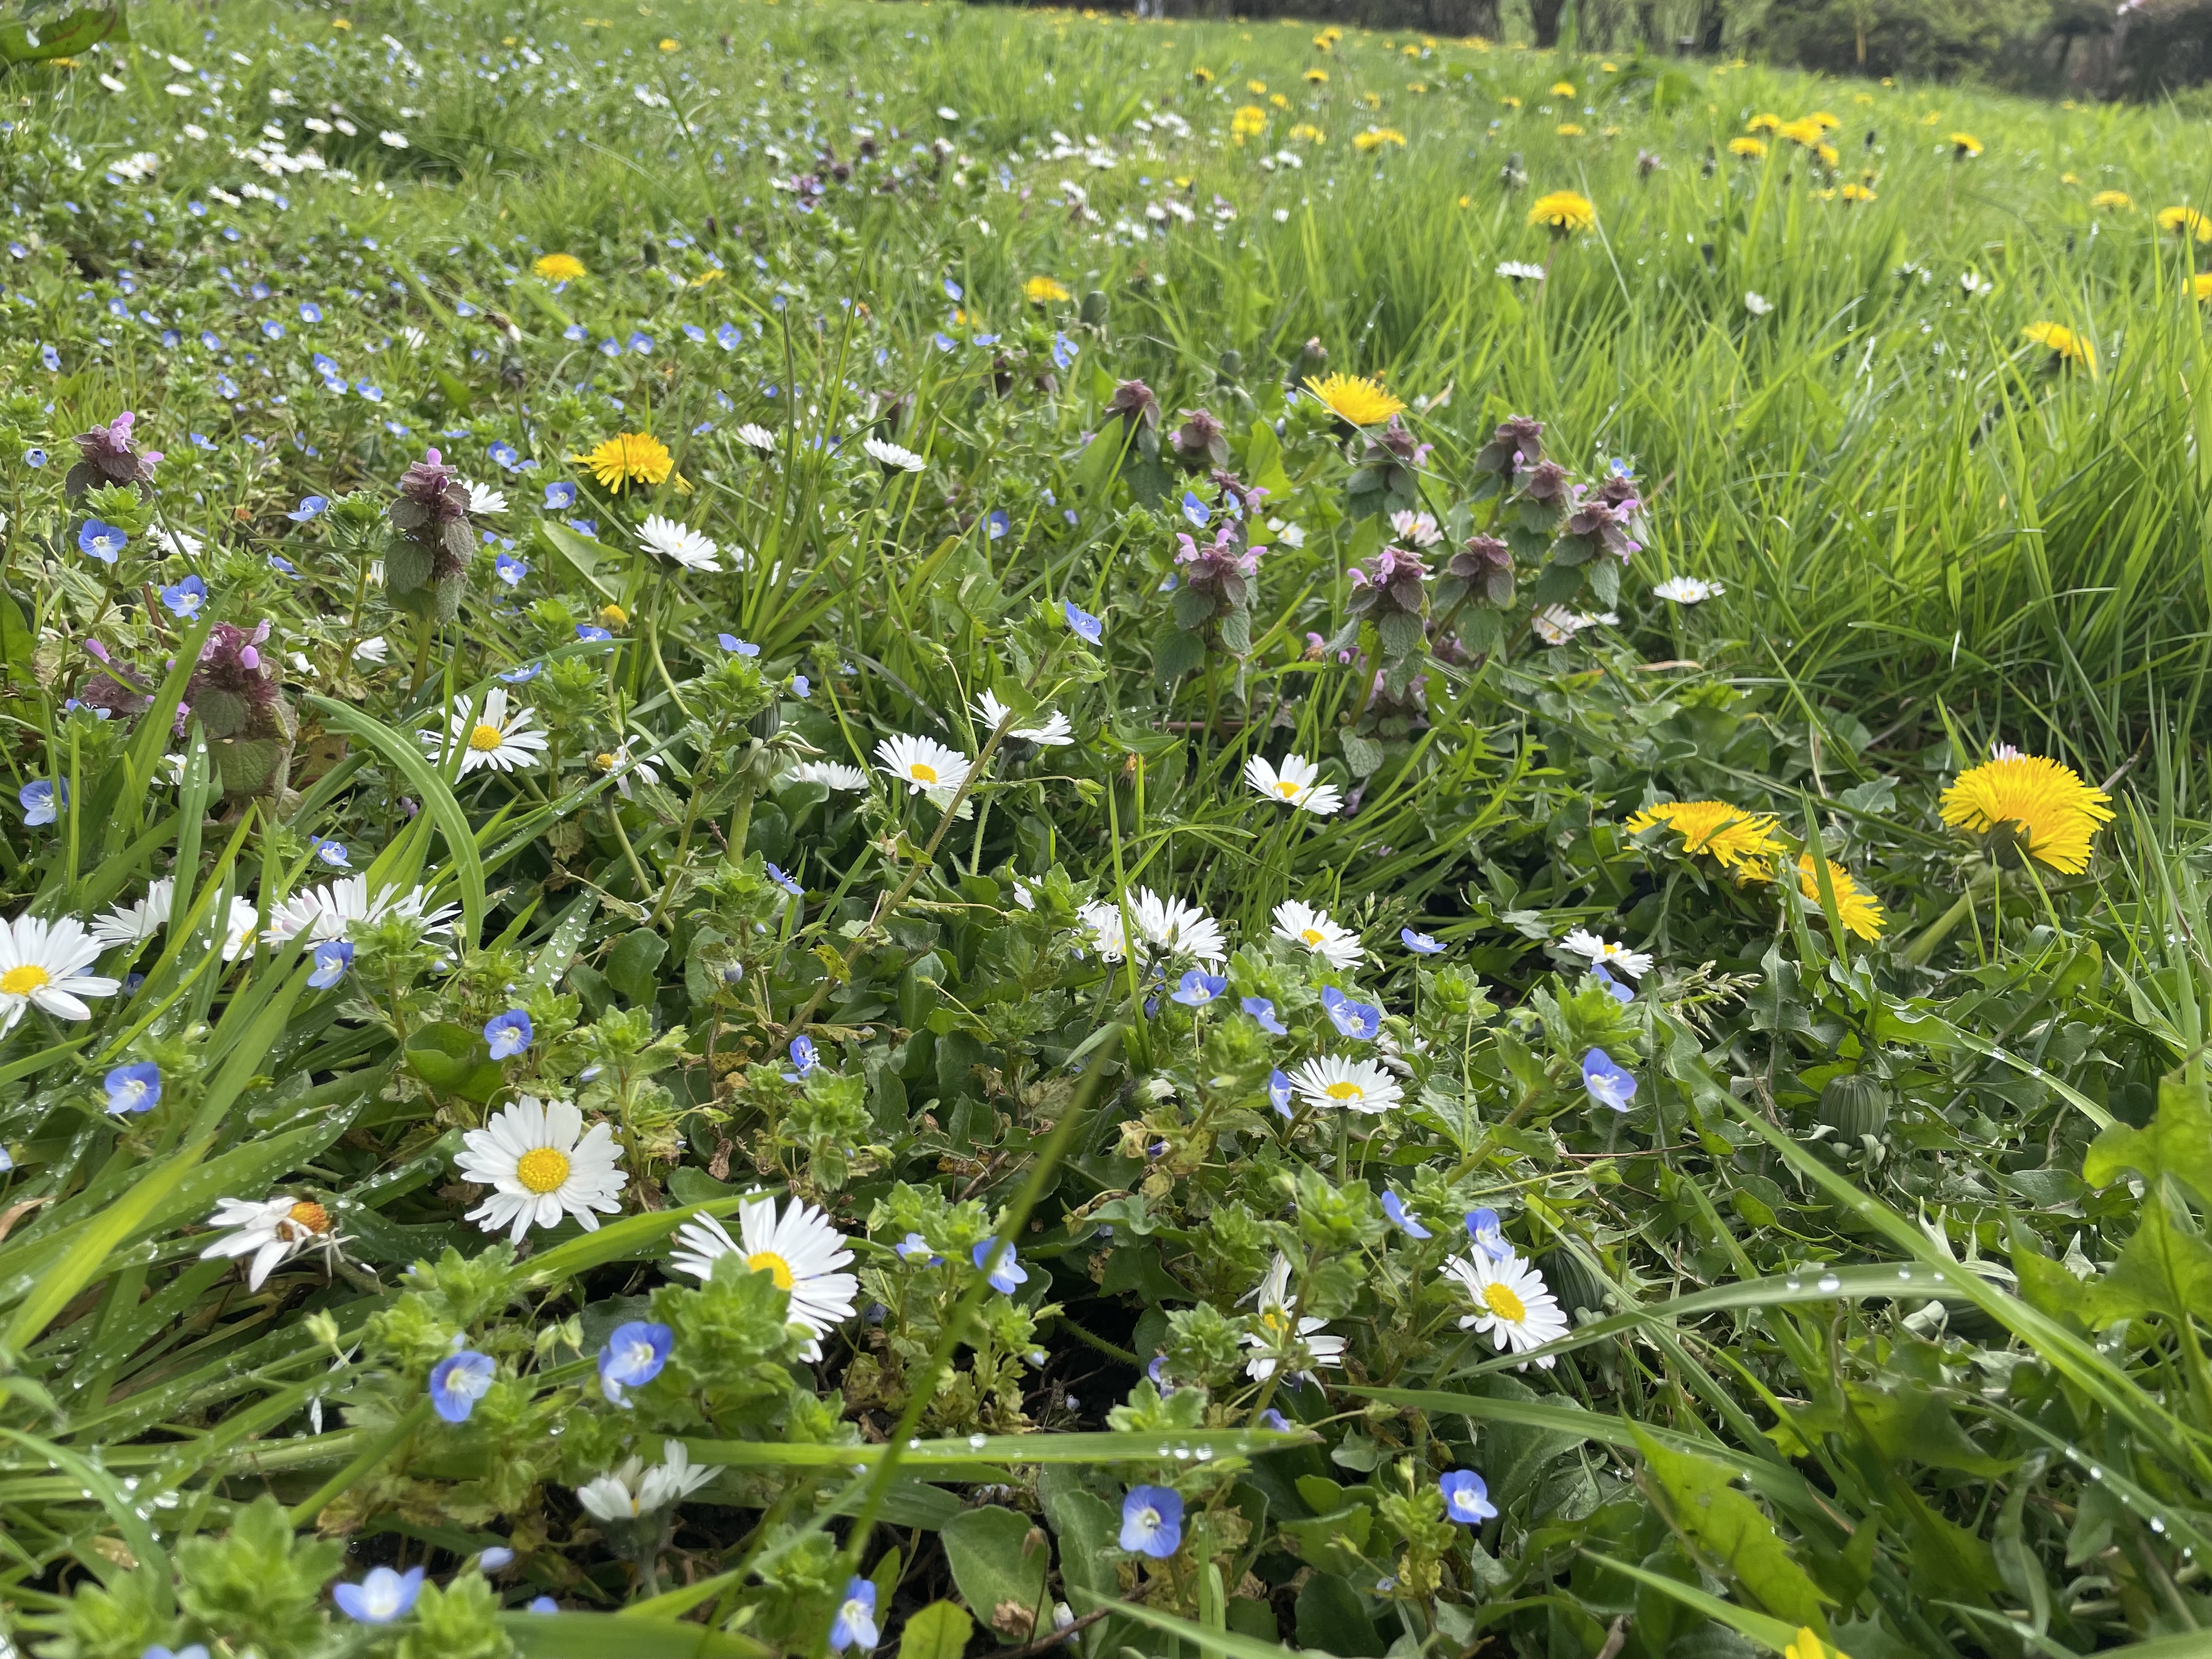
1792	1284
1905	1273
979	1441
1831	1284
1206	1453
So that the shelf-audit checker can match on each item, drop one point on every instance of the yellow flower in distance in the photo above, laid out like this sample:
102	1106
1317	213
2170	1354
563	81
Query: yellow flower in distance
2112	201
628	458
1043	291
1809	1646
1856	908
2063	343
1740	843
1202	74
2201	286
1823	120
1803	134
1563	89
1376	138
1310	133
1317	77
2046	806
2185	222
559	267
1352	397
1964	146
1857	193
1828	155
1764	122
1568	130
1564	213
1749	148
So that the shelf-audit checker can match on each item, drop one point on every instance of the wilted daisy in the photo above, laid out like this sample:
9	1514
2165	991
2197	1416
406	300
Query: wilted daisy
1355	400
138	922
884	453
1302	924
1355	1086
625	771
755	436
627	458
631	1491
542	1164
270	1231
679	545
1279	1328
924	765
1858	909
1743	843
828	774
1176	928
1295	783
1512	1305
1055	733
2041	806
330	911
42	964
1582	943
1687	590
800	1250
496	738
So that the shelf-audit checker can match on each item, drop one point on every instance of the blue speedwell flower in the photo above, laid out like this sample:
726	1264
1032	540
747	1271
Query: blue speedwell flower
591	634
1467	1499
999	523
39	803
496	1559
1264	1011
560	497
1279	1091
510	569
310	507
1086	625
1615	989
35	457
1489	1237
1005	1274
458	1381
101	541
803	1055
855	1625
508	1033
380	1597
1394	1207
1362	1020
332	853
1607	1084
736	647
1151	1522
1420	943
634	1356
1198	988
134	1089
783	879
914	1246
1196	510
185	597
332	958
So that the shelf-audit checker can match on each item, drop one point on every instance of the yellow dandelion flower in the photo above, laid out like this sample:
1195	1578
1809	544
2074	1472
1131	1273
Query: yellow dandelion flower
1750	149
1279	100
2185	222
2112	201
341	23
1563	89
1202	74
671	46
1044	291
2063	343
1764	122
1353	398
1372	99
1803	134
1858	909
2070	178
1809	1646
1257	88
1417	87
1564	213
613	616
628	458
1308	132
711	274
1376	138
559	267
1857	193
1964	146
1825	121
1316	77
2201	286
2045	807
1510	101
1568	130
1608	69
1740	843
1828	154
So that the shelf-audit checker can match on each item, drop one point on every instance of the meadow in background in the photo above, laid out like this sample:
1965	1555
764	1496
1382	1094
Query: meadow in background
871	824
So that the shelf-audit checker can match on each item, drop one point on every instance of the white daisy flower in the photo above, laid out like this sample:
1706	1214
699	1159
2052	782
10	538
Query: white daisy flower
1295	783
801	1249
1356	1085
484	499
679	545
179	544
43	962
924	765
328	912
1176	928
631	1491
134	924
1687	590
755	436
543	1164
238	934
1512	1305
374	648
1556	624
828	774
1584	943
1415	529
1757	304
498	739
1056	733
1520	270
1279	1328
1107	936
1300	924
892	455
269	1231
618	761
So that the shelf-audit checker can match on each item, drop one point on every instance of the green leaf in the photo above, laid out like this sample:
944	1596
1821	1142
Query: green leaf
453	1060
1332	1620
1228	1643
87	1258
2176	1142
405	756
579	552
79	31
940	1631
1099	1448
630	965
1769	1633
1704	1507
1002	1563
572	1634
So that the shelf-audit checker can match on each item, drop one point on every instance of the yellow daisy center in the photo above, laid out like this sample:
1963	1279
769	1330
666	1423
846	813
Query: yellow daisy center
1345	1091
1286	788
543	1168
1276	1322
306	1220
1504	1304
921	773
485	739
768	1261
1313	937
21	982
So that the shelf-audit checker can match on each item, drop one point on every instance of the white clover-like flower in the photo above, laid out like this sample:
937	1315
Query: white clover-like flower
1333	942
1297	782
1055	733
800	1249
42	965
892	455
542	1164
1279	1328
679	545
1687	590
328	912
270	1231
924	765
1513	1306
632	1491
484	500
1353	1086
1176	928
496	738
1600	952
755	436
1757	304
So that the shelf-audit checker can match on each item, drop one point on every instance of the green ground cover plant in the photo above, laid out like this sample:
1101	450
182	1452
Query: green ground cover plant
869	825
